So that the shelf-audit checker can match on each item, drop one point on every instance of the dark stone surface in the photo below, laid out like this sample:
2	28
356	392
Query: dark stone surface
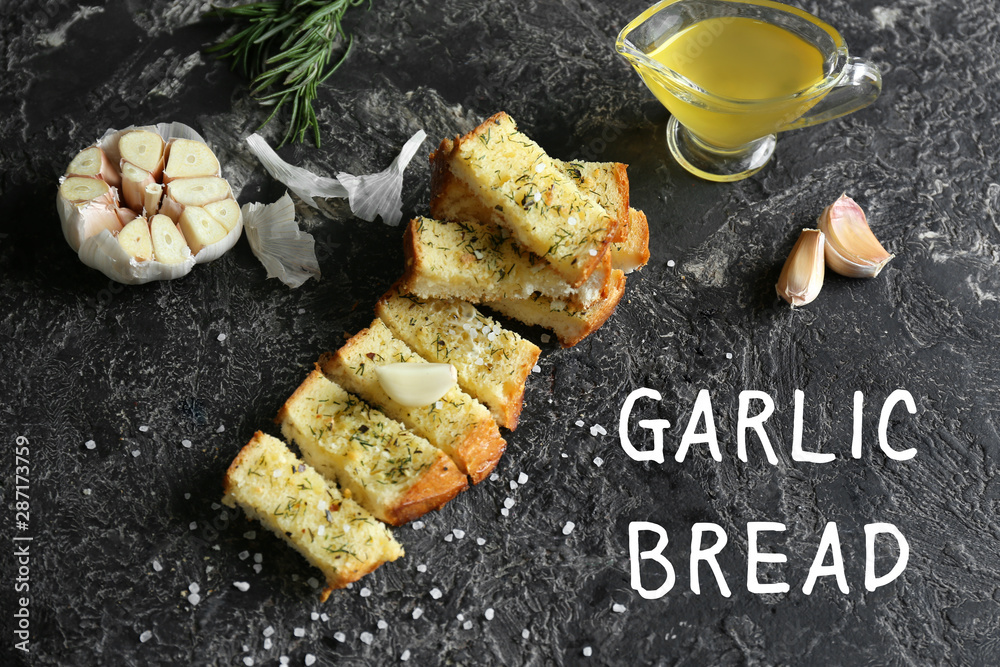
138	370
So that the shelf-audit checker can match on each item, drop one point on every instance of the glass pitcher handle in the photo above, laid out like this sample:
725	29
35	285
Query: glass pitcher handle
859	85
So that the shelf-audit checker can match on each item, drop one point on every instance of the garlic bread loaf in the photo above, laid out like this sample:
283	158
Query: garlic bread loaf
457	424
391	472
476	261
493	363
292	500
569	323
542	207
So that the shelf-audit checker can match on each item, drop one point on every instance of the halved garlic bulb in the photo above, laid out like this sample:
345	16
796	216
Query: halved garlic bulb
114	191
416	384
851	247
802	275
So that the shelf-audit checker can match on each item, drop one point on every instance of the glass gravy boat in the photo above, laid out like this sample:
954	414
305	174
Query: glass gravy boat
733	73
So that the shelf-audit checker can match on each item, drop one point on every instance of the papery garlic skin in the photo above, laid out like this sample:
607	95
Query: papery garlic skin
802	275
851	247
416	384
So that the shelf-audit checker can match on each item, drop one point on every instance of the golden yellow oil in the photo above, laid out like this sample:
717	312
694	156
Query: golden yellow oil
753	65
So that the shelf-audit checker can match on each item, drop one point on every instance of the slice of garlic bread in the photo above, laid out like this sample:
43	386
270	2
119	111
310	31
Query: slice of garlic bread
493	363
457	424
542	207
292	500
391	472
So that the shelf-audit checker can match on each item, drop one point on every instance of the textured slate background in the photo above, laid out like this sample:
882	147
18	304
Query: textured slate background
140	369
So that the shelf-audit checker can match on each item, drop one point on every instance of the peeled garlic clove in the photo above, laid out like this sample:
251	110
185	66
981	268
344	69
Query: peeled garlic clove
187	158
801	277
144	149
851	248
416	384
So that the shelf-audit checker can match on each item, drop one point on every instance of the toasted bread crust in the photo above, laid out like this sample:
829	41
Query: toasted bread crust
433	490
632	253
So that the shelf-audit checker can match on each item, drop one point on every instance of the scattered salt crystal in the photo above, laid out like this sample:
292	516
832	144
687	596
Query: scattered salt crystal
564	455
323	617
480	541
436	593
513	485
340	637
508	502
314	616
537	197
461	617
671	263
321	530
467	625
90	444
568	528
539	168
135	453
216	506
438	405
156	566
405	655
268	631
494	477
222	337
579	422
283	660
366	592
572	220
536	369
417	525
194	587
504	511
417	613
257	567
143	428
258	558
248	661
729	355
299	632
146	636
186	443
522	478
367	637
221	429
242	585
310	659
592	252
250	534
598	461
618	608
278	472
489	614
587	651
600	429
421	568
449	537
525	633
193	525
302	311
194	599
458	533
382	624
86	492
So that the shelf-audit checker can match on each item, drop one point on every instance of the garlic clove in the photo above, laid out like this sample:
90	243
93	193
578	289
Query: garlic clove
126	215
144	149
86	207
801	277
169	246
134	239
199	228
226	212
151	197
134	182
187	158
851	247
92	161
198	191
416	384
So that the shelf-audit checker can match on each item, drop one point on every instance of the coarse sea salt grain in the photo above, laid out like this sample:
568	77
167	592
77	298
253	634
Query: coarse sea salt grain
513	485
314	616
248	661
598	461
489	614
146	636
186	443
405	655
449	537
536	369
546	338
417	613
504	511
194	588
729	355
221	337
568	528
436	593
143	428
467	625
382	624
522	478
480	541
340	637
90	444
250	534
618	608
458	533
310	659
417	525
525	633
366	592
243	555
221	429
193	525
242	585
268	644
367	637
135	453
194	599
299	632
268	631
156	566
671	263
579	422
508	502
587	651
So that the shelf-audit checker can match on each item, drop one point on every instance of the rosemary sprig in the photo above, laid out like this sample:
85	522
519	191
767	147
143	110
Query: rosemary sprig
285	48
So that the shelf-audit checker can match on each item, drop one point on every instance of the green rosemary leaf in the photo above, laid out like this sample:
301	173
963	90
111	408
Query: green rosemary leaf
287	48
